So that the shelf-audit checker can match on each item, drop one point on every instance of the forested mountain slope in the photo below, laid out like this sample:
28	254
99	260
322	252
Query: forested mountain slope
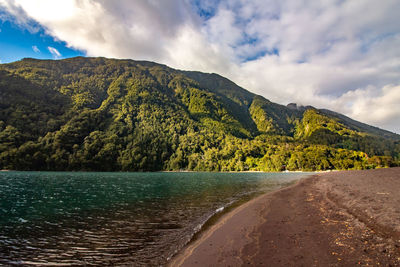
124	115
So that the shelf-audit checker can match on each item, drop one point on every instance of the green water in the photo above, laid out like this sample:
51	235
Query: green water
140	219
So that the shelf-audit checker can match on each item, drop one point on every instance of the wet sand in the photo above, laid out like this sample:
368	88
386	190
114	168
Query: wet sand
346	218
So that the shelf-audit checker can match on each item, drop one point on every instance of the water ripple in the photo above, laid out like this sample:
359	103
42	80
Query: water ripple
97	219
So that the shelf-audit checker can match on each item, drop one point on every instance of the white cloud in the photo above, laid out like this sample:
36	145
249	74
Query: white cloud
54	52
17	15
341	55
36	49
134	29
379	106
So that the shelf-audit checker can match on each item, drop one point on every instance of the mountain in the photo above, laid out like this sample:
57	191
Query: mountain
99	114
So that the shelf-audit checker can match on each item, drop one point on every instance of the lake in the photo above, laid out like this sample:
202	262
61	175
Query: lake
140	219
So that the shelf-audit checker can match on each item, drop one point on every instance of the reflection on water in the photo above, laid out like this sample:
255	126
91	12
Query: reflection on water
66	218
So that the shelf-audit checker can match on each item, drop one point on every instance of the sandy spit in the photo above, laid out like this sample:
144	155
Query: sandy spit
346	218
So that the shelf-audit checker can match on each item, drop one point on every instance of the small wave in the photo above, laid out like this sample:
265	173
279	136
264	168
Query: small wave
220	209
22	220
201	226
41	263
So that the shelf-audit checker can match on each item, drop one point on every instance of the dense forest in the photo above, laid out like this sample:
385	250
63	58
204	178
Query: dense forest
98	114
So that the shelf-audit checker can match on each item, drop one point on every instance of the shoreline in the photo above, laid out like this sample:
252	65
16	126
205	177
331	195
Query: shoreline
181	171
326	219
215	219
202	235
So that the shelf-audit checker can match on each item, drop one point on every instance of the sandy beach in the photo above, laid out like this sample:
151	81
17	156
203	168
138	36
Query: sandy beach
345	218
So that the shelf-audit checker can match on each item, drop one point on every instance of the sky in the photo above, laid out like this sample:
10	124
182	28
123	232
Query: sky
333	54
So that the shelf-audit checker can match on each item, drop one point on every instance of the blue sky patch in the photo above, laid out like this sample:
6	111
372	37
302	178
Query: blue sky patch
17	43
